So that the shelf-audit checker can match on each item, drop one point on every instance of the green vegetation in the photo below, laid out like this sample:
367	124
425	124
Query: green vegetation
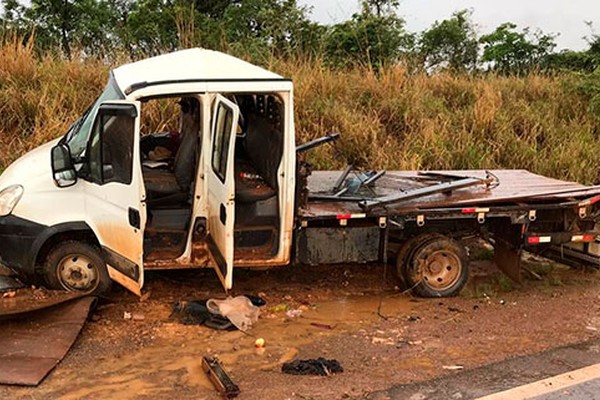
439	99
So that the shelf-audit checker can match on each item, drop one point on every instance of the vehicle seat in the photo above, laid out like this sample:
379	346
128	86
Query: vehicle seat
263	149
250	187
178	179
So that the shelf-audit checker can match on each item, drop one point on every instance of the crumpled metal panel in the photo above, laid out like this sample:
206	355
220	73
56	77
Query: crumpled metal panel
33	342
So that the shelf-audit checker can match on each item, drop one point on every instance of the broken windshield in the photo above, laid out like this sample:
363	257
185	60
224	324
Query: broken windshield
77	136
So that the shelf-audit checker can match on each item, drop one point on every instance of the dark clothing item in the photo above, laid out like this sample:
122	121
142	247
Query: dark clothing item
320	366
194	312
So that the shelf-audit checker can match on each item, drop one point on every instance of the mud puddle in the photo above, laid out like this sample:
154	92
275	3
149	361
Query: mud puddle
172	360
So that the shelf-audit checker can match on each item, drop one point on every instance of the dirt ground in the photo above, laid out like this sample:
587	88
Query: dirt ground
150	356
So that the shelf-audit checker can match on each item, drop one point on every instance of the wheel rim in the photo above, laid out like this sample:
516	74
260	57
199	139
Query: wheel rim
77	272
441	269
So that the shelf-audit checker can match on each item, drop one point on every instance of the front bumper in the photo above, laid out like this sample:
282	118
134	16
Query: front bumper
17	238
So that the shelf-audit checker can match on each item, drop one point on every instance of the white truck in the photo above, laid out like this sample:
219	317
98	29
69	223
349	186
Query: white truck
235	192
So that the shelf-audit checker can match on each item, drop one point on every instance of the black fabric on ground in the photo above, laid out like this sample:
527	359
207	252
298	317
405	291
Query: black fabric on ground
195	313
320	366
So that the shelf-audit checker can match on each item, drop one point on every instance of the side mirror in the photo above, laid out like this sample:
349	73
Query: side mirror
63	171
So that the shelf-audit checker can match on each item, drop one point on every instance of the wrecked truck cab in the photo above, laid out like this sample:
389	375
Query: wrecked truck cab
116	195
189	160
39	215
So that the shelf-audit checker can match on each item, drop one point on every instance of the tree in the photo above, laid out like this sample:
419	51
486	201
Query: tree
151	27
64	23
450	44
380	8
374	37
512	52
274	26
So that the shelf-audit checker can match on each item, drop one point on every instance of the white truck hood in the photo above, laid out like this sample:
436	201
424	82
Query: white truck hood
33	170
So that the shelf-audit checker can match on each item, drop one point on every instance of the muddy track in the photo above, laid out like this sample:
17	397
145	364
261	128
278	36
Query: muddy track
409	340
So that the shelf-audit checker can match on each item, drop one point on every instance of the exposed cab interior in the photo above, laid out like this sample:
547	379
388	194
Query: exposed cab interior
258	155
171	146
171	149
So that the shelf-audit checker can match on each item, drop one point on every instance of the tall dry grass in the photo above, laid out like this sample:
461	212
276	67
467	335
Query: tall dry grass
390	120
395	120
41	96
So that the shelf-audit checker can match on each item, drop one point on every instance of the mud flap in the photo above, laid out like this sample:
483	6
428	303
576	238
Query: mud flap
508	260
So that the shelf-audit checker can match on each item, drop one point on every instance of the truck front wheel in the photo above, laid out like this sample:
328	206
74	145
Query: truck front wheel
76	267
438	267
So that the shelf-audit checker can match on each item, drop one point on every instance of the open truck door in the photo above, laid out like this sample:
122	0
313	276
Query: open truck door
221	188
115	194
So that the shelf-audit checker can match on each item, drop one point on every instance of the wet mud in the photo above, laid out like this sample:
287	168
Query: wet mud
380	335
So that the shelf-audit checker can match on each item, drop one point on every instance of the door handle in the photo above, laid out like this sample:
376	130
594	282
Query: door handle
134	218
223	214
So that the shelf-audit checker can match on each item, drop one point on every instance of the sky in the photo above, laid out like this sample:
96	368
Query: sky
566	17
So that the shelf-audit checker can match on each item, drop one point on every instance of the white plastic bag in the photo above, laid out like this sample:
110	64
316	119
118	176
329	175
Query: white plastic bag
239	310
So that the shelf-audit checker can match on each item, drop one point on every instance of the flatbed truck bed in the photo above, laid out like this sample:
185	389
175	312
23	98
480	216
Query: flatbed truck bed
515	210
515	187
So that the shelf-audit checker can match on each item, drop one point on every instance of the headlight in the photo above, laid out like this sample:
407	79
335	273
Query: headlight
9	198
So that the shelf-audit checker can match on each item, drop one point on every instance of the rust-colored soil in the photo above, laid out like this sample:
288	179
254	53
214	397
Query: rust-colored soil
149	356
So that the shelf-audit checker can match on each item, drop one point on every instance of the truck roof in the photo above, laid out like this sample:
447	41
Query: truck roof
191	65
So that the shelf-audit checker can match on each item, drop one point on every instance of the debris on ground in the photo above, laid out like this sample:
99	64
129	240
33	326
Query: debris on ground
322	326
194	312
453	367
239	310
319	366
386	341
228	314
138	316
280	308
259	343
293	313
38	336
219	378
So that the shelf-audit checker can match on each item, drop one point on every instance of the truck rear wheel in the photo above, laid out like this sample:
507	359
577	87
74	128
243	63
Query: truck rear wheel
437	267
406	249
76	267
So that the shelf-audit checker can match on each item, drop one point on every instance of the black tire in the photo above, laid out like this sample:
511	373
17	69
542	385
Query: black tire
407	248
76	267
437	267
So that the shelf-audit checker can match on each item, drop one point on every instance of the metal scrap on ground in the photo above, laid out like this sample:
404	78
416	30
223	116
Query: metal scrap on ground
36	336
219	378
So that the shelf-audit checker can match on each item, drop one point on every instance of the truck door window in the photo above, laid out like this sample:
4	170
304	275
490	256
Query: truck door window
221	141
111	149
77	137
